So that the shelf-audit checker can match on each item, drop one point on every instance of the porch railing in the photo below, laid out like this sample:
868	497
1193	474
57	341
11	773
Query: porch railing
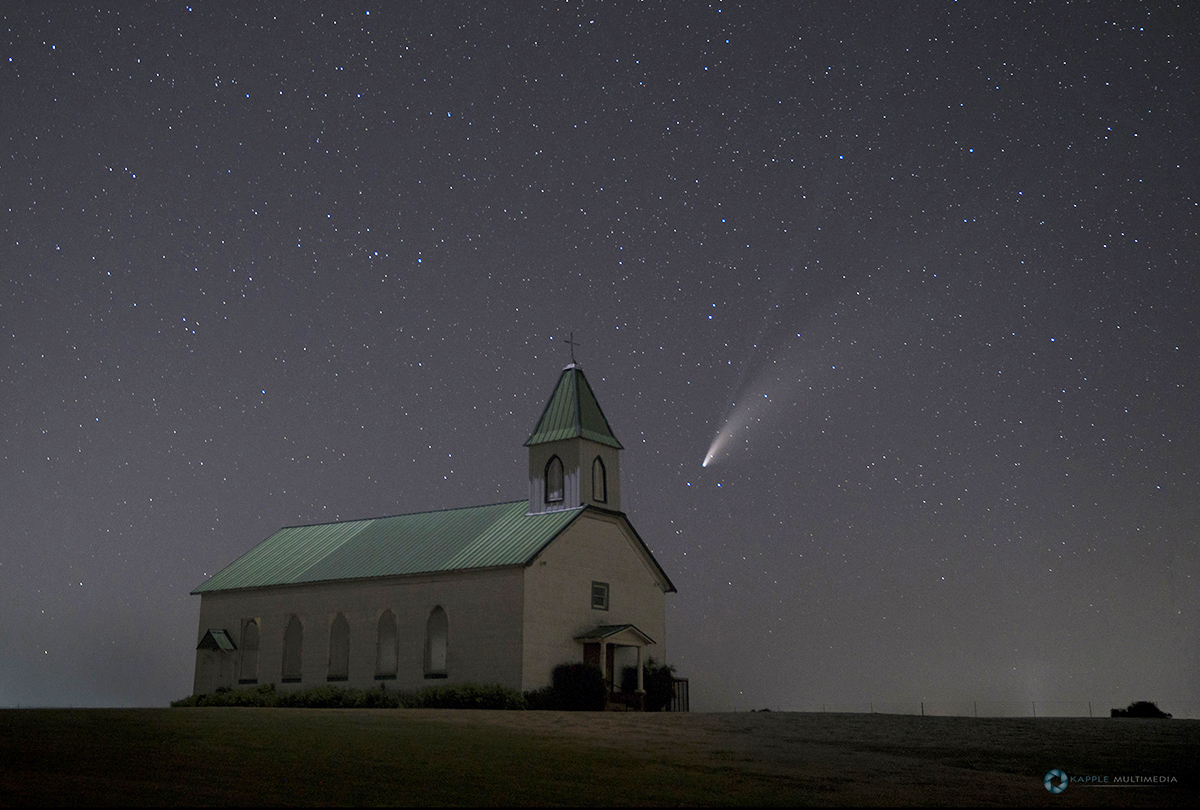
679	695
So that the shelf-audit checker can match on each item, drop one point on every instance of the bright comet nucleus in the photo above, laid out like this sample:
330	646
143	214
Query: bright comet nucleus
739	419
718	444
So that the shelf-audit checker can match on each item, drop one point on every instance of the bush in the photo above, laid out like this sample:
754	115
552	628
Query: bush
335	697
544	699
258	696
578	688
660	685
1141	708
657	679
464	696
469	696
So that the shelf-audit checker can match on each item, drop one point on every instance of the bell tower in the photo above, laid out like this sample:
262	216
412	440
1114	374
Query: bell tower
573	456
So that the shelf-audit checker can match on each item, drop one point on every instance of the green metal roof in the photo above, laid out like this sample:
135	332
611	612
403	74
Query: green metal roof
426	542
606	631
573	412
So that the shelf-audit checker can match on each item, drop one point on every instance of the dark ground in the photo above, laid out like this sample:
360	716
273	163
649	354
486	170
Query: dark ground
439	757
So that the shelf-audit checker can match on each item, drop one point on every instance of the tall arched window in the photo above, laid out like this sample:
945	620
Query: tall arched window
599	481
293	641
339	649
436	632
554	480
249	659
386	647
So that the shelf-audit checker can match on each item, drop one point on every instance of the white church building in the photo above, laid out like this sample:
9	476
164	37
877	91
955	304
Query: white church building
496	594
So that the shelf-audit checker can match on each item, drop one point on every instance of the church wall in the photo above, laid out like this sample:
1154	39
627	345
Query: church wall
483	609
558	591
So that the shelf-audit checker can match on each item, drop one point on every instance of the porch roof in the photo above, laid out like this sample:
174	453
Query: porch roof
622	635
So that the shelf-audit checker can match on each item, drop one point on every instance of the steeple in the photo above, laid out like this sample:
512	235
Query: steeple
572	411
573	454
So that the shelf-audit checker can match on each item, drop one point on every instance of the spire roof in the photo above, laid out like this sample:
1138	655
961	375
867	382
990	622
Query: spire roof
573	412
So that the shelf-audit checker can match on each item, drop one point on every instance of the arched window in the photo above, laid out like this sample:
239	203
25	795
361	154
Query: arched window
599	481
385	648
436	632
554	480
293	640
339	649
249	659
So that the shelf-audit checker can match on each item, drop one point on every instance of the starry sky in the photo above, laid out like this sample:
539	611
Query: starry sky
920	284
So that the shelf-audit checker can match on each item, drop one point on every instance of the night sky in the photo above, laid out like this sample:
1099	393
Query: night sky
924	283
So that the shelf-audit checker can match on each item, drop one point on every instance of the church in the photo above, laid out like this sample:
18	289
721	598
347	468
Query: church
495	594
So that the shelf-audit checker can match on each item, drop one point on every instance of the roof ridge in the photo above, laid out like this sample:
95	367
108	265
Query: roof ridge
403	514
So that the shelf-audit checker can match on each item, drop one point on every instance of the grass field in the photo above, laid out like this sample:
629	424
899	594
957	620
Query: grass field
438	757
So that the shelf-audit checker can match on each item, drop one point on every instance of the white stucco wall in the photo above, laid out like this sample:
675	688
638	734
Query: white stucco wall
558	594
484	611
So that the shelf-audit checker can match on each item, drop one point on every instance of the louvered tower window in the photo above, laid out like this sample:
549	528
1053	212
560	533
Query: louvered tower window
554	480
599	481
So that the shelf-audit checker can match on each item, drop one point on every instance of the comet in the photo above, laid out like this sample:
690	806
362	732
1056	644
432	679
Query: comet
736	425
769	367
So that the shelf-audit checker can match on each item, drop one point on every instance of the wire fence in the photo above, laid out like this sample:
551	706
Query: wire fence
926	708
1000	708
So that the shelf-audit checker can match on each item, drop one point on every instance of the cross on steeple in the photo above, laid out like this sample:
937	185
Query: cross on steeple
571	342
